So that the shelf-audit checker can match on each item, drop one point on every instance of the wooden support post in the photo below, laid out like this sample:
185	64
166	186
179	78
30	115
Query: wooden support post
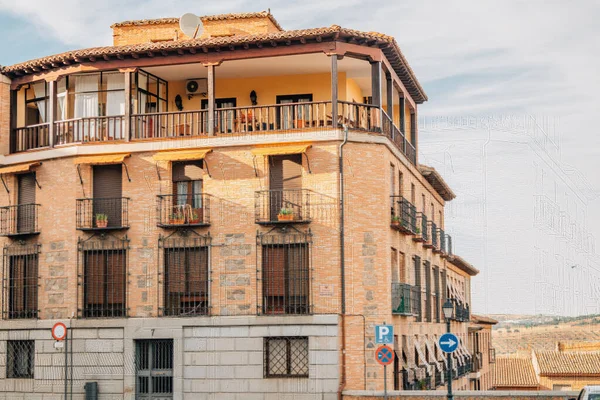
127	117
376	92
211	99
402	107
52	89
13	122
390	96
334	91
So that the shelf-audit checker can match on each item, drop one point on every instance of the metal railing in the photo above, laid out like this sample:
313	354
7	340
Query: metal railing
403	214
477	361
401	299
282	206
441	236
432	234
169	124
407	383
359	116
100	213
90	129
438	380
461	312
31	137
183	210
416	304
421	234
448	244
21	219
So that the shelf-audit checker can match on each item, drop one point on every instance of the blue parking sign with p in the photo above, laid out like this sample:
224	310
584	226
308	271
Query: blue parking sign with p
384	334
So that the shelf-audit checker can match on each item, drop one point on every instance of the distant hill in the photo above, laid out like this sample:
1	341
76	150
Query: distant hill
516	333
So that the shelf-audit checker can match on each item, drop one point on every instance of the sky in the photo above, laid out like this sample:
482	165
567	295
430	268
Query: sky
486	66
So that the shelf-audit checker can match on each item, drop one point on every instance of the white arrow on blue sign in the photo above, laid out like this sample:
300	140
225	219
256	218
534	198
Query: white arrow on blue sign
384	334
448	342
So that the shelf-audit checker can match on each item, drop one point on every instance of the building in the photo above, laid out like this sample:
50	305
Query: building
550	370
483	352
230	215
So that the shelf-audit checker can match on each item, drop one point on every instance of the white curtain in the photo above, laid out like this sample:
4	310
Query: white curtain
61	99
86	105
39	90
115	104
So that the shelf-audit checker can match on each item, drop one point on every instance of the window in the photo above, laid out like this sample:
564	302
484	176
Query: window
417	300
21	264
151	94
26	212
413	195
428	295
402	266
154	369
108	194
285	186
20	358
104	264
394	265
224	120
186	280
400	184
187	188
36	103
392	180
436	295
286	357
294	116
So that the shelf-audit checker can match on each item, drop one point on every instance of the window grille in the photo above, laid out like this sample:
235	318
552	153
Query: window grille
154	369
185	274
20	281
285	272
103	276
286	357
20	358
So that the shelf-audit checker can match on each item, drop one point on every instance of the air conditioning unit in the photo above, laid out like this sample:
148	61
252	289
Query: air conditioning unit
195	87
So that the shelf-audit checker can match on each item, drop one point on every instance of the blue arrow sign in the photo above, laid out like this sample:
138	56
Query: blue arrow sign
384	334
448	342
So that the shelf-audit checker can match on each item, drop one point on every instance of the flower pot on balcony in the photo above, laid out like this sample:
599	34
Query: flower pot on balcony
177	219
196	216
101	220
285	217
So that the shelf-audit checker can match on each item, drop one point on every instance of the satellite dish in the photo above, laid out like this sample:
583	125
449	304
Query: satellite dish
191	25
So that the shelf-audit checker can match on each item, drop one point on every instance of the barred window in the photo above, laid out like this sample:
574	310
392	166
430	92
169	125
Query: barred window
20	356
20	281
154	368
104	277
185	276
286	357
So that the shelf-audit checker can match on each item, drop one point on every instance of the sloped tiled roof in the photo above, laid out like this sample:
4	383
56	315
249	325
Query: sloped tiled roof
568	363
514	371
438	183
482	319
462	264
219	17
386	43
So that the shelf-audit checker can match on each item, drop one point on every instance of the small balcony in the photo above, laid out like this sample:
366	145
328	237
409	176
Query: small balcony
432	241
461	312
477	362
441	241
102	214
448	246
282	206
19	220
421	228
178	211
30	137
403	215
403	299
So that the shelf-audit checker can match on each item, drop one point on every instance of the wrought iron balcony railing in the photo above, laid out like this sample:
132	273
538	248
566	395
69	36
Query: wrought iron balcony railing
421	234
402	299
404	215
102	213
461	312
432	236
448	245
19	220
183	210
284	206
441	240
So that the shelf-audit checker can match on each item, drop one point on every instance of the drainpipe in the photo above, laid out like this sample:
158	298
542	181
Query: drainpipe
342	264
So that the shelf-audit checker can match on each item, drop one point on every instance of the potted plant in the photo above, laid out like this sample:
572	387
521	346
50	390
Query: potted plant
177	218
422	384
101	220
417	230
195	215
285	214
395	220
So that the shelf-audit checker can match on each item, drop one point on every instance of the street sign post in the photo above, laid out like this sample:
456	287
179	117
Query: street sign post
384	356
384	334
448	342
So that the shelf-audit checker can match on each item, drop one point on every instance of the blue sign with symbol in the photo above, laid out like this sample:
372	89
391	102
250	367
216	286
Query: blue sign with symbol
385	355
384	334
448	342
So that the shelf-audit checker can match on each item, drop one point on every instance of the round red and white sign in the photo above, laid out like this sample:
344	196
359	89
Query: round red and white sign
59	331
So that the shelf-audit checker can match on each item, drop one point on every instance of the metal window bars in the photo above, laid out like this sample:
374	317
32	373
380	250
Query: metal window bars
183	210
282	206
102	213
285	272
185	274
17	220
402	298
20	281
421	234
286	357
432	234
20	359
103	276
154	369
403	215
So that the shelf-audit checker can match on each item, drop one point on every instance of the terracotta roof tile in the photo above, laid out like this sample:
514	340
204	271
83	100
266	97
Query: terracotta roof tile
514	371
461	263
438	183
335	32
482	319
219	17
568	363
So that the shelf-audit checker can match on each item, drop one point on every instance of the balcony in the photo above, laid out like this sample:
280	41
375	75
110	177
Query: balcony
403	215
461	312
30	137
421	229
403	299
102	214
19	220
175	211
477	362
432	236
440	236
90	129
283	206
